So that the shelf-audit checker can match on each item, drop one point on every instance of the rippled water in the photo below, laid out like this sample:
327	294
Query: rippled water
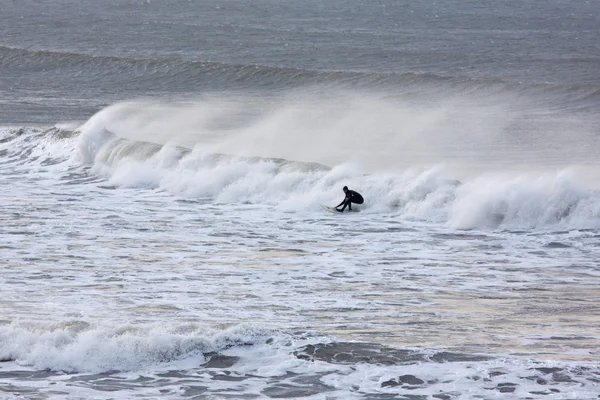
164	165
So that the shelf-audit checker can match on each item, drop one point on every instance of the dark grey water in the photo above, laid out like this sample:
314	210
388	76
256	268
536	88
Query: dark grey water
65	59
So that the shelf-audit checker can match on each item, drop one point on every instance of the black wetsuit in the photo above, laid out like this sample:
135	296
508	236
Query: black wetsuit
351	197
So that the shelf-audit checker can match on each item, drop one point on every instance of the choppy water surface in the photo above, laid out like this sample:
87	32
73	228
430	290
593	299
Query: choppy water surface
163	165
160	294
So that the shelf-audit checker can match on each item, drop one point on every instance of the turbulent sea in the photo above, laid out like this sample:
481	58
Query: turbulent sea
163	167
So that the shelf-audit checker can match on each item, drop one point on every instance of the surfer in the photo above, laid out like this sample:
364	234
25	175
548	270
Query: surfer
351	197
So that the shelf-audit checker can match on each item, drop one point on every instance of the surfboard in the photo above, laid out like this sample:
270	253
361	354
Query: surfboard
333	209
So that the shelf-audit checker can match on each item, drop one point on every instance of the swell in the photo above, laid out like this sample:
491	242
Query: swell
173	74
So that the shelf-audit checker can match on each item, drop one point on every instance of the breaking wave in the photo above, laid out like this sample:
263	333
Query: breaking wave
77	346
553	198
272	362
256	164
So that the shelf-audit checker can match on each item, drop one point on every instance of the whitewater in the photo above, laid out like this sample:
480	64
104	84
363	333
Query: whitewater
165	270
164	165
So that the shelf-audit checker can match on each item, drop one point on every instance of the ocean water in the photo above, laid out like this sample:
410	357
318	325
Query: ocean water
163	165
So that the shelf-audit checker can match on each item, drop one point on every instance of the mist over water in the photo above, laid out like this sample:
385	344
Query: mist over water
164	166
365	128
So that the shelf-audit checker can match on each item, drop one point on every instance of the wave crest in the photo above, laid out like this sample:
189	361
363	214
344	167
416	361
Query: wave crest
491	200
77	346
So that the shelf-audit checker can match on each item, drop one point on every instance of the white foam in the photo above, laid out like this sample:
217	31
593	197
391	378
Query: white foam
428	194
139	264
80	347
537	198
552	199
526	202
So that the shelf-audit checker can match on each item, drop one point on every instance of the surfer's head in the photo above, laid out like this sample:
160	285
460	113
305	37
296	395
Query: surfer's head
345	189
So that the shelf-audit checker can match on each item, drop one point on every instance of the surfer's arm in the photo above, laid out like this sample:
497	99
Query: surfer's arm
343	201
